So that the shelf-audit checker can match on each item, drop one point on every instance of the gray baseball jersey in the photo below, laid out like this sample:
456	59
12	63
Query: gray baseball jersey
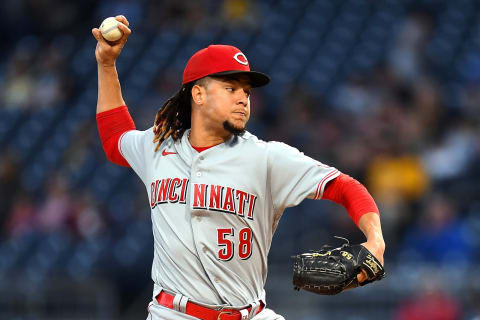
214	213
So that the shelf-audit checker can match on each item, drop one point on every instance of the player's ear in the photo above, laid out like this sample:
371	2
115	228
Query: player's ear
198	94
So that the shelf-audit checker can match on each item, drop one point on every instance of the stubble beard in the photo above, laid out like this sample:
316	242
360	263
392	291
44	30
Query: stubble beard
236	131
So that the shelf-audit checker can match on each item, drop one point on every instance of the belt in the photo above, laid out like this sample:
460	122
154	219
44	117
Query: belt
204	313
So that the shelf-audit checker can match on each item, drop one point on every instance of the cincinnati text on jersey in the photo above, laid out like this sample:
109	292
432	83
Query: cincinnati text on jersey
205	196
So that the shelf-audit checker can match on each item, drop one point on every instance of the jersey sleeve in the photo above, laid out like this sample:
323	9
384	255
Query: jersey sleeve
294	176
135	146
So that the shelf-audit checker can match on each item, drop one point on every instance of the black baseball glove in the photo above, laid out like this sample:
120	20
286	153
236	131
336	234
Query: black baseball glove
333	270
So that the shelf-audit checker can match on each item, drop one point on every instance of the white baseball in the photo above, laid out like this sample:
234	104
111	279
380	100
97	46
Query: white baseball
109	29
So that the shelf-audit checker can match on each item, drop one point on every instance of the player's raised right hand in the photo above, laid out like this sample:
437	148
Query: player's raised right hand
107	52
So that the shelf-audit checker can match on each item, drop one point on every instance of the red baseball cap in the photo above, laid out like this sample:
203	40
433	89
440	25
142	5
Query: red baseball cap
218	60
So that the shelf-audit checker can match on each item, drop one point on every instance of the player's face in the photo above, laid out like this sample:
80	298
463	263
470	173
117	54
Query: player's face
227	103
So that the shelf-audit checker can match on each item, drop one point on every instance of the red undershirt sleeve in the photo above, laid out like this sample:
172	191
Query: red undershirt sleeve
112	124
352	195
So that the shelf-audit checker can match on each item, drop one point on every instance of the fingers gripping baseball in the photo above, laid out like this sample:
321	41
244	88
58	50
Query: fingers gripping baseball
107	52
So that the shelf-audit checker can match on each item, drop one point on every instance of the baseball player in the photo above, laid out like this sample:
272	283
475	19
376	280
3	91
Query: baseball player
216	192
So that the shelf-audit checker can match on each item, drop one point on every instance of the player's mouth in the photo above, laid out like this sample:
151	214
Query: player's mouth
240	113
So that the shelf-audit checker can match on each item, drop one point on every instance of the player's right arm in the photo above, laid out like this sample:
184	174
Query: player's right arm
113	118
106	53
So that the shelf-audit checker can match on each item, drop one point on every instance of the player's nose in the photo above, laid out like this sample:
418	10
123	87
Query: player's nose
242	98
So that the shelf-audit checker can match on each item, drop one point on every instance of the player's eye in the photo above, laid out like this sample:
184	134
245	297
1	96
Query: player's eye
229	89
248	92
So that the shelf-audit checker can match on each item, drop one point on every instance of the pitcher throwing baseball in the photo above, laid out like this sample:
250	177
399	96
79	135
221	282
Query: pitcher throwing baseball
216	191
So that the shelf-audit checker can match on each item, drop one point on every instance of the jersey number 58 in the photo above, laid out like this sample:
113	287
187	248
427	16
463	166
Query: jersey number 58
227	247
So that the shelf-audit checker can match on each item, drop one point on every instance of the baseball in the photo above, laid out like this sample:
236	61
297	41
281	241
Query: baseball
109	29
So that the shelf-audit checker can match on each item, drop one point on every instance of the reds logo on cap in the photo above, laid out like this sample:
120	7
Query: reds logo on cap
216	60
239	57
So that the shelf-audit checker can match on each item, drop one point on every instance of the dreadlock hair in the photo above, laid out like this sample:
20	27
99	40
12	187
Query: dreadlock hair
173	118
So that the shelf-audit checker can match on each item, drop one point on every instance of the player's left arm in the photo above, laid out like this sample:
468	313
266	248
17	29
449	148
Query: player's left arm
361	207
291	174
370	225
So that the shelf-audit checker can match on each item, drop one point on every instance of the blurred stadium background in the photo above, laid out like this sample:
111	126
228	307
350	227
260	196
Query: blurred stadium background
387	91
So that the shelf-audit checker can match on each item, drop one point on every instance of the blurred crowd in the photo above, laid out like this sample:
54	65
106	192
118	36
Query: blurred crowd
408	132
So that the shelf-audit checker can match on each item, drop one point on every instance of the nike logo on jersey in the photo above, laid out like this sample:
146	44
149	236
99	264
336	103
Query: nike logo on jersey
165	153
